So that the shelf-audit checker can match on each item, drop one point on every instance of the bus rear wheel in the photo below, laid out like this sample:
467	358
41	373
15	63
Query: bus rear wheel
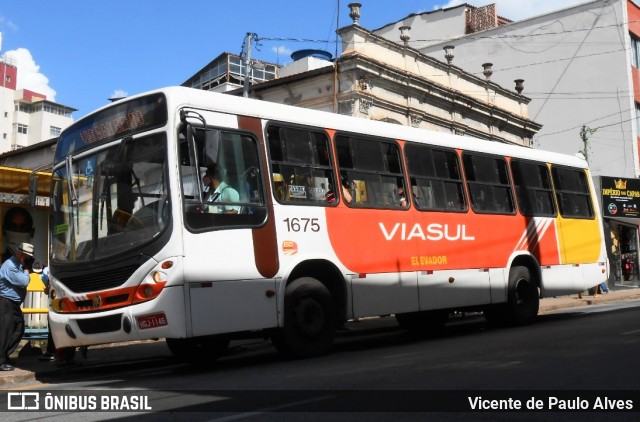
423	323
523	298
309	320
199	350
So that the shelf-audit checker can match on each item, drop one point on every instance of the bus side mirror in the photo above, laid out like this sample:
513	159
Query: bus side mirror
33	189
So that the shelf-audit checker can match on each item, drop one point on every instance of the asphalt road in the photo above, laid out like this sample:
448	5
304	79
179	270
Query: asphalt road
571	361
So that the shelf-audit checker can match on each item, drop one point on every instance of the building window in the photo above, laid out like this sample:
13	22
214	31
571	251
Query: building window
21	128
54	131
635	51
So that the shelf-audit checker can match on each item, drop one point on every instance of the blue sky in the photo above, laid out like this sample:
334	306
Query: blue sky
81	52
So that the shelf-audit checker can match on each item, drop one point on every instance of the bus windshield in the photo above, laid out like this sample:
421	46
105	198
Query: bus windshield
110	202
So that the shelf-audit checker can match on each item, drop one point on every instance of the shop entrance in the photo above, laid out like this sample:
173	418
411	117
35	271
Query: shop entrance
625	250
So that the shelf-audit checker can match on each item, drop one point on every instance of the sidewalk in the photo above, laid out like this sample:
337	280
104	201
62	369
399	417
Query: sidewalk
29	368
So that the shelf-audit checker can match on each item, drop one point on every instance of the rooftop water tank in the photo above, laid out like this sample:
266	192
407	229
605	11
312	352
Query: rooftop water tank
318	54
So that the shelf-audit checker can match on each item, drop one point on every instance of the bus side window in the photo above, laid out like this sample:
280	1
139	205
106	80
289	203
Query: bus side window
572	193
225	189
533	188
489	184
373	168
435	178
301	165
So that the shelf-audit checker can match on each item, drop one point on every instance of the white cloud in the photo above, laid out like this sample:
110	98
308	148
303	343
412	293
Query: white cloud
8	23
281	50
119	93
283	54
29	76
519	9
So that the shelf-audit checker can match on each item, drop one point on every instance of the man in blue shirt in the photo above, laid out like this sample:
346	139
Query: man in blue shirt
14	279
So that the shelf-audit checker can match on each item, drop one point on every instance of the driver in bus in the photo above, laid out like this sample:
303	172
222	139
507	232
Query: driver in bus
122	217
218	190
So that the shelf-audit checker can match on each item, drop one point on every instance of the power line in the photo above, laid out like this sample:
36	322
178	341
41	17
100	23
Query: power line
478	38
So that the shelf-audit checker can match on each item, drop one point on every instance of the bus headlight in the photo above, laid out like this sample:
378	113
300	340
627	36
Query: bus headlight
57	305
148	291
159	277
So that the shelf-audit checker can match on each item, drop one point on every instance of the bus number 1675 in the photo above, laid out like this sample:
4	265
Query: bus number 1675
302	224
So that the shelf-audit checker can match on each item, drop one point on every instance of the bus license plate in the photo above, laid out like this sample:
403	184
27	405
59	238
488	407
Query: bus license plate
152	321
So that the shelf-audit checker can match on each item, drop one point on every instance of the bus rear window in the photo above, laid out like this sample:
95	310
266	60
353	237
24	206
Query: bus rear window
572	193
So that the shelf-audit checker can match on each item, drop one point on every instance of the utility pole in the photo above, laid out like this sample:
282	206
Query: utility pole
247	63
584	134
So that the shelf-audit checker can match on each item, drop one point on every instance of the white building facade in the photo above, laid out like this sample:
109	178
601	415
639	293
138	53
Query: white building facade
26	117
580	67
576	66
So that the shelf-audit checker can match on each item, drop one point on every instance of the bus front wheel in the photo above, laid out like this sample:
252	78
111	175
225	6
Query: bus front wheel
309	320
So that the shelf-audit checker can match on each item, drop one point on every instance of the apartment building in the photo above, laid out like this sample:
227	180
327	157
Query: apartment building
27	117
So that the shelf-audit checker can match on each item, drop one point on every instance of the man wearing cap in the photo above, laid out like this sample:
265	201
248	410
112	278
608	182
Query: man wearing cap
14	279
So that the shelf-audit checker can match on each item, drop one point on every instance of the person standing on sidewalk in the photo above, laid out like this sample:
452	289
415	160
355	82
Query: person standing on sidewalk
14	279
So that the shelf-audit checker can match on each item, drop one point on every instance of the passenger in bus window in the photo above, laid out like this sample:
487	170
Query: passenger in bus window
219	191
402	198
279	187
330	196
346	190
417	197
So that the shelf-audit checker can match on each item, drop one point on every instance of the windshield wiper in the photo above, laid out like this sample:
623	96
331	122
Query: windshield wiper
75	212
109	168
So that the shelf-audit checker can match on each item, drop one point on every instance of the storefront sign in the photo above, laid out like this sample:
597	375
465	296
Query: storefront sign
620	197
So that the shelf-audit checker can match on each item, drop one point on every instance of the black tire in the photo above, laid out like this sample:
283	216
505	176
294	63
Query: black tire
424	323
523	298
198	349
309	320
496	315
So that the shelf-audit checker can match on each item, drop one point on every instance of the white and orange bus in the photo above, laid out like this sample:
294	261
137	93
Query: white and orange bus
198	217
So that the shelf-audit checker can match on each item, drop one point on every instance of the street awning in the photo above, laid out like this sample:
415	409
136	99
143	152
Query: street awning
15	180
625	220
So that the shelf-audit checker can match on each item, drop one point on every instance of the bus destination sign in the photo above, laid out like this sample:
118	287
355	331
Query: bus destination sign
116	121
